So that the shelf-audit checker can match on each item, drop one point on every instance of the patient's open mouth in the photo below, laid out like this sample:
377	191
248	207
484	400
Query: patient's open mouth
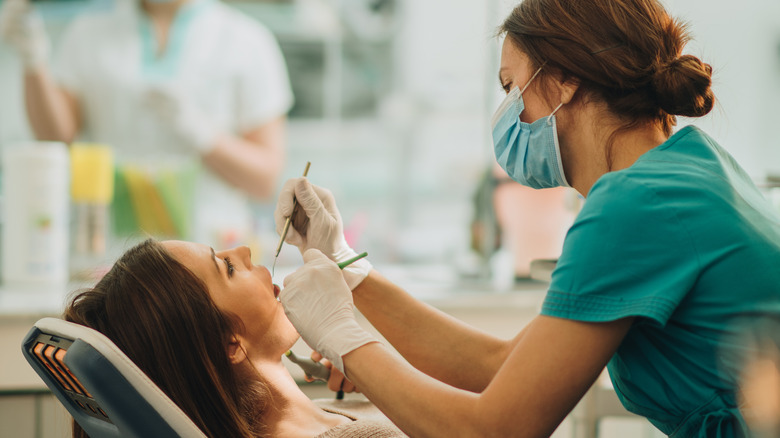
276	291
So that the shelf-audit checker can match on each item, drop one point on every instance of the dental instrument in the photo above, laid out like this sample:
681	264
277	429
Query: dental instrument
348	262
287	223
312	370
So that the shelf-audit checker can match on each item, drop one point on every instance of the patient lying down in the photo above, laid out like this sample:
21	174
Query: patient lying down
207	329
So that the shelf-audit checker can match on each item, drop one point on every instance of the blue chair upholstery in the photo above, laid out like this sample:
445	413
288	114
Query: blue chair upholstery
104	391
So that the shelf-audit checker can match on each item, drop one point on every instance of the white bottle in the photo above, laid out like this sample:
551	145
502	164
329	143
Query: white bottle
35	185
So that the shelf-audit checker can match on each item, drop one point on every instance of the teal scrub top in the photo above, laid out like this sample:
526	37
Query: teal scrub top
683	241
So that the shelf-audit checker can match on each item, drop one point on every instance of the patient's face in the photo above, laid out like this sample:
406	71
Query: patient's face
239	287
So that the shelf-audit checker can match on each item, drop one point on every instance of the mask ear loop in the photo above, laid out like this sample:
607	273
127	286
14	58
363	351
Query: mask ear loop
553	113
531	80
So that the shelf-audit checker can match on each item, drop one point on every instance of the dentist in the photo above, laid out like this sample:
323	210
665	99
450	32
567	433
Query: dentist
674	251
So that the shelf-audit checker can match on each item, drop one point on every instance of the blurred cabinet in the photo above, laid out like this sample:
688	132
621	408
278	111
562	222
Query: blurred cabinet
27	408
338	52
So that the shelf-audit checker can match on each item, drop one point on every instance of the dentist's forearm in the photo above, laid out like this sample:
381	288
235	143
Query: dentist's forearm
432	341
252	163
52	112
416	403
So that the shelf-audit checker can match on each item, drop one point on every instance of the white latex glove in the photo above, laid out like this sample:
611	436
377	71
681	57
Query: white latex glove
325	230
319	305
190	125
22	28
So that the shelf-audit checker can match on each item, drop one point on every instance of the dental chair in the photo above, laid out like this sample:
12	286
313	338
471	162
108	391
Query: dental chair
104	391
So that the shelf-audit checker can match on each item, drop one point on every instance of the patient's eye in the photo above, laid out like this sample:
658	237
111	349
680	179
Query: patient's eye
230	267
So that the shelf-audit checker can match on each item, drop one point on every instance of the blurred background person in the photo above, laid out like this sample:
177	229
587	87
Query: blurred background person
191	94
760	377
514	225
533	223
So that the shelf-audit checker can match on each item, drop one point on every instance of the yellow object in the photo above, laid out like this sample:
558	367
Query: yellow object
151	213
92	173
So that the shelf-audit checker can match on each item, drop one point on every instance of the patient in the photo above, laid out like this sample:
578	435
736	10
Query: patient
207	329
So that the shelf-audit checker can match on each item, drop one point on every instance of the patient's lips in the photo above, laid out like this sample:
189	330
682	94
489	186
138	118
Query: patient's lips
276	290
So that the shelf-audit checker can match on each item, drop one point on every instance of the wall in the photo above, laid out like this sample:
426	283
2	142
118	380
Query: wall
741	40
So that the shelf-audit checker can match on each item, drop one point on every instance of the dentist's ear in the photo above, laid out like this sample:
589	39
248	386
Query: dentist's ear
567	89
236	351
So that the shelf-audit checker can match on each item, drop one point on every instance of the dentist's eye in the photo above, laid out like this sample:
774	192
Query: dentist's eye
230	267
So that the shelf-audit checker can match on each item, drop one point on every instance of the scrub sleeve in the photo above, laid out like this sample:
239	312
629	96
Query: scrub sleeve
625	255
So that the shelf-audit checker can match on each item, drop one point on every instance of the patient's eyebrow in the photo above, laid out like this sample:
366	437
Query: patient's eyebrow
214	259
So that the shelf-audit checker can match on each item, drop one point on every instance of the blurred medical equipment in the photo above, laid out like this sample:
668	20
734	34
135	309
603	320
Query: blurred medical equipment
154	197
104	391
35	234
287	224
91	191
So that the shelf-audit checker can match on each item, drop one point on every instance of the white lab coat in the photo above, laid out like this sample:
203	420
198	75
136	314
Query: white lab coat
226	63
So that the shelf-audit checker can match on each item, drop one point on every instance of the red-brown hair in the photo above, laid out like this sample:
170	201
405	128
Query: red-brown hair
162	316
626	53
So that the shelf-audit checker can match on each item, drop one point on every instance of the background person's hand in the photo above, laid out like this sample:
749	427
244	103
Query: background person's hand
173	108
22	28
319	304
337	381
324	231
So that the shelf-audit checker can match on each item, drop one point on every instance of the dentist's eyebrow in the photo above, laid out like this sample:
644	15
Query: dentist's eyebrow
214	259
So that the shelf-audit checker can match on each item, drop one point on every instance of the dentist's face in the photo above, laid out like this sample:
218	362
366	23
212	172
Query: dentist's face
516	70
243	289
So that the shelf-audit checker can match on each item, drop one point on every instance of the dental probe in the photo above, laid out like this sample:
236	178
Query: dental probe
316	370
287	223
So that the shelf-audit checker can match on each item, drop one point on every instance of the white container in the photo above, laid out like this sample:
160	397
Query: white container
36	195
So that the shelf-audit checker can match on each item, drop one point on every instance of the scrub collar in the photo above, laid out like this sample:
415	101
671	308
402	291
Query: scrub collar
166	66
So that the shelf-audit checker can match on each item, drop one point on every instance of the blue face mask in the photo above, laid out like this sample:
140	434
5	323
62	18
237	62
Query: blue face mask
528	152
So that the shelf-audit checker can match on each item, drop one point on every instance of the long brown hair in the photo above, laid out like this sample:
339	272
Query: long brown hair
162	316
626	53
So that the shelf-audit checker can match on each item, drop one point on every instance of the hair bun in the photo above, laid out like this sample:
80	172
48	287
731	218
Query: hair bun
683	87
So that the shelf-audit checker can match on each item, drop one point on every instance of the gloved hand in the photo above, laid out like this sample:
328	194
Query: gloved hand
22	28
325	230
174	109
337	381
319	304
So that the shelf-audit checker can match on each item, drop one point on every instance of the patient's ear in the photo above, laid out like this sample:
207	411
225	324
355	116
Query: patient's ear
236	351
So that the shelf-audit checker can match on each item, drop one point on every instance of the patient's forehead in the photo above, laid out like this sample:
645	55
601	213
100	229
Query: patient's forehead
195	256
181	249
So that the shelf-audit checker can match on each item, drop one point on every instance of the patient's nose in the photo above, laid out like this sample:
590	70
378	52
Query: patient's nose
245	254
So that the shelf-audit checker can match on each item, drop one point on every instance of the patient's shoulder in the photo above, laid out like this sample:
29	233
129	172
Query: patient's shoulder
368	421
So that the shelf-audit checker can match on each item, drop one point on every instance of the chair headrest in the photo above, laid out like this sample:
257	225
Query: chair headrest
107	394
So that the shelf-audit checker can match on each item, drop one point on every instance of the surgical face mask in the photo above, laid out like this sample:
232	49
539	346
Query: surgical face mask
528	152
